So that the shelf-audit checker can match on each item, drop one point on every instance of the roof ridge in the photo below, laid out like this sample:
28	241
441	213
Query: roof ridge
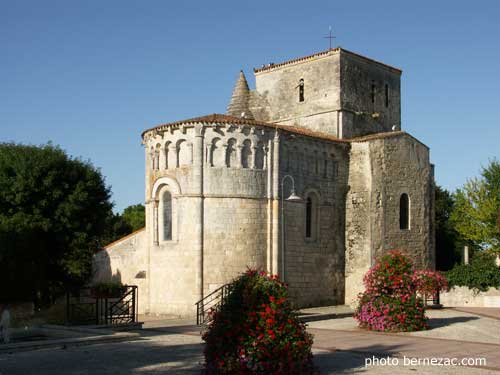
322	53
228	119
124	238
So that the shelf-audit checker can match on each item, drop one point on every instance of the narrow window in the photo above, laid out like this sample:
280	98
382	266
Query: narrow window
309	209
311	216
404	211
386	95
373	92
167	216
301	90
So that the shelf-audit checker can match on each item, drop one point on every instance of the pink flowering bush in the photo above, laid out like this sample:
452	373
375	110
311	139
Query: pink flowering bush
429	283
390	301
256	331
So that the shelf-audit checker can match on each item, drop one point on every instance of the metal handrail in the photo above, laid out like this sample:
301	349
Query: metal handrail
103	308
212	301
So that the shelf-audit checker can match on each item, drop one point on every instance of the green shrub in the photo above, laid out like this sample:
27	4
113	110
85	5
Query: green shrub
109	289
481	274
256	331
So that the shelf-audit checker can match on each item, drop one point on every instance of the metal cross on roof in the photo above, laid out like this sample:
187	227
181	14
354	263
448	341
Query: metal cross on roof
330	36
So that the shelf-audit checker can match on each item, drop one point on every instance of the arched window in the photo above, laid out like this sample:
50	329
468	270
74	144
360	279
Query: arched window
231	153
404	212
246	154
167	215
309	209
259	156
301	90
311	216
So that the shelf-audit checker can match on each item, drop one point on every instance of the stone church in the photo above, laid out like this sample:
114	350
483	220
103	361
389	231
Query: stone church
309	176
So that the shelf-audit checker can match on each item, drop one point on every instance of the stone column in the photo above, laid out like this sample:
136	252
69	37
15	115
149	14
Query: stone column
276	203
253	165
172	156
198	208
163	161
149	224
466	254
208	161
190	148
239	156
156	234
269	254
227	159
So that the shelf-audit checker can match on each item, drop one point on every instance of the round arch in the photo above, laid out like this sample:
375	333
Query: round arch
174	186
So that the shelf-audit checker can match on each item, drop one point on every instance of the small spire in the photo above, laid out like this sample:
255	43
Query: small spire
238	106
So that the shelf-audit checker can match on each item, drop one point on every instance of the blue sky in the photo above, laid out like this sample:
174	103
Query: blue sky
92	75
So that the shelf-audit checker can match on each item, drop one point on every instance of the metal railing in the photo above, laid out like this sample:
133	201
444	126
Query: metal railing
211	302
82	307
432	300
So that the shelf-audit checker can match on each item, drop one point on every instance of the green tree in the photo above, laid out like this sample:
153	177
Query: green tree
135	216
54	212
476	209
119	225
448	243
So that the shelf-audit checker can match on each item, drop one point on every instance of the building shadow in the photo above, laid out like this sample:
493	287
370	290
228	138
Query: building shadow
179	355
444	322
357	360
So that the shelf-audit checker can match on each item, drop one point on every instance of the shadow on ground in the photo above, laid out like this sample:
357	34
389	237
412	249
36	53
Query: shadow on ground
125	358
443	322
355	361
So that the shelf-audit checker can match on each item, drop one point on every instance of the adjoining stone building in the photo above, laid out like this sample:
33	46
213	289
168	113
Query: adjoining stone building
331	121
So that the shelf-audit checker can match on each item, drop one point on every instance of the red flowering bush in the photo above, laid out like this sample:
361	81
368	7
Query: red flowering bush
429	283
256	331
390	301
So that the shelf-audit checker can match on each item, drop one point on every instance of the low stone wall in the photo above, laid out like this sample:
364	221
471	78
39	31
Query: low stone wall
461	296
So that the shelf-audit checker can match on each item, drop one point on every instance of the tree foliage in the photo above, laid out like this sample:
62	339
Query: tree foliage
481	274
119	225
477	205
448	242
135	216
54	213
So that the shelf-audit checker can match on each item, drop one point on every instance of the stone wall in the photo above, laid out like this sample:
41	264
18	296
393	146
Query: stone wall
357	220
125	261
381	169
223	199
462	296
363	94
345	95
279	88
314	266
401	166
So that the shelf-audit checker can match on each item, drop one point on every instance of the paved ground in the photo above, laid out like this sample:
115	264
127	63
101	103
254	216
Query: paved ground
449	324
339	348
489	312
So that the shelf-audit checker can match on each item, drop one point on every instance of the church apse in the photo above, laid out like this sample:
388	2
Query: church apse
330	121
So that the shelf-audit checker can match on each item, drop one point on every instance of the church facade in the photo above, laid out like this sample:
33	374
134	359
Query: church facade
326	127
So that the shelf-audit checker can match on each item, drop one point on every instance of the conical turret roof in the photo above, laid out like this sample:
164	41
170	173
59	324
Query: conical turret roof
239	100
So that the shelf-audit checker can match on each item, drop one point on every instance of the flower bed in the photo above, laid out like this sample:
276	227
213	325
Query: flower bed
256	331
430	283
390	301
